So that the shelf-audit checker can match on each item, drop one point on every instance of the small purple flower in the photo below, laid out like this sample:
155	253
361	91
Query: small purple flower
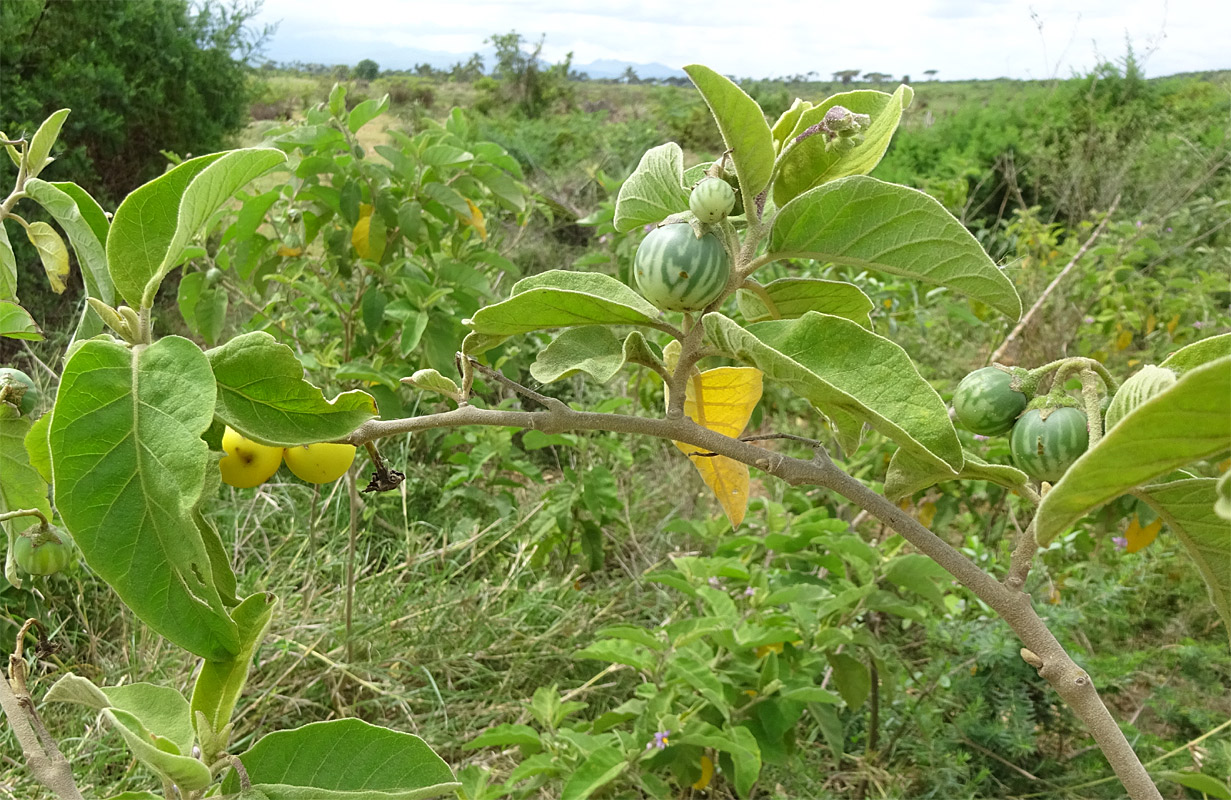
981	438
1138	224
660	741
1198	324
715	583
649	227
606	237
750	592
1120	542
1088	320
1168	230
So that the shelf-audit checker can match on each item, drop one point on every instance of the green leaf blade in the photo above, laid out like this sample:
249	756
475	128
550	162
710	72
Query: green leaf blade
129	464
842	368
262	394
594	350
1186	422
743	128
867	223
562	299
220	682
654	191
794	297
16	323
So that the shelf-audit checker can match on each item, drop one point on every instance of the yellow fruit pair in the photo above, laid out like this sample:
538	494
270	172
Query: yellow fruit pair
248	463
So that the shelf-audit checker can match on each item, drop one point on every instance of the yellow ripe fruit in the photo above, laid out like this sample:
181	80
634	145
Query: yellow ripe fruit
247	463
320	463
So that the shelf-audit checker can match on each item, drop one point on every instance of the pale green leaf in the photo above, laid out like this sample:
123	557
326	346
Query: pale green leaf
1189	421
52	252
743	128
129	464
921	575
154	223
1208	785
740	744
186	772
1222	506
1187	506
562	299
794	297
1198	353
869	224
220	682
432	381
262	394
654	191
616	652
365	112
850	678
505	735
42	142
8	267
787	121
345	759
16	322
21	486
810	163
601	767
701	679
594	350
907	475
632	633
37	447
840	367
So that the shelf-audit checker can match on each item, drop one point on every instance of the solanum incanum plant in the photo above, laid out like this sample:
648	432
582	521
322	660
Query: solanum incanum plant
804	193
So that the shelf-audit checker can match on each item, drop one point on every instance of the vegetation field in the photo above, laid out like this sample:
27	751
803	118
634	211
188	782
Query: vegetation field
555	580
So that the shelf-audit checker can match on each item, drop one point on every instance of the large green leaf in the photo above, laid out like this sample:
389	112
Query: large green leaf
16	322
907	474
594	350
262	394
154	223
220	682
562	299
837	365
1188	421
154	721
8	267
794	297
1187	506
740	744
600	768
810	162
1208	785
21	486
654	191
129	464
869	224
345	759
1198	353
42	141
79	215
743	128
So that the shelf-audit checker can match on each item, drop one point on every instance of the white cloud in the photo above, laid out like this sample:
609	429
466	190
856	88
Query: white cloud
960	38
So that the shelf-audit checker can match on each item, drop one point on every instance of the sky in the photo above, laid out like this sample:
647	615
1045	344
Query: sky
961	39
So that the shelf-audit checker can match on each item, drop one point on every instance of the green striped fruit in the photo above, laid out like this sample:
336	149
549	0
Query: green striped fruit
19	382
986	403
676	271
1136	390
53	552
712	200
1044	448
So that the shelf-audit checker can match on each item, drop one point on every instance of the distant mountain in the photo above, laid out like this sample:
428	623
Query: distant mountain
610	68
289	46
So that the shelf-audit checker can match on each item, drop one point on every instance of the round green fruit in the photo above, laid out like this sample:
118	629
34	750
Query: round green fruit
29	400
47	558
1044	449
212	276
676	271
986	403
712	200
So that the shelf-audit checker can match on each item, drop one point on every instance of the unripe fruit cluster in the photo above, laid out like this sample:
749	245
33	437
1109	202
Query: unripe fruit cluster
248	463
1043	442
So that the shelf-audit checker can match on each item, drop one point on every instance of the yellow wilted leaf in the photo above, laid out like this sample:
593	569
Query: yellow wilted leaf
1151	323
1139	538
359	236
290	252
1171	324
707	773
52	251
766	649
722	400
927	513
475	220
1124	339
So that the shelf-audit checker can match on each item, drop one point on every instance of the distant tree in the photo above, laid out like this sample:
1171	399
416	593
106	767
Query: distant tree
141	76
906	79
340	72
877	77
530	86
630	76
846	75
469	72
367	70
931	73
